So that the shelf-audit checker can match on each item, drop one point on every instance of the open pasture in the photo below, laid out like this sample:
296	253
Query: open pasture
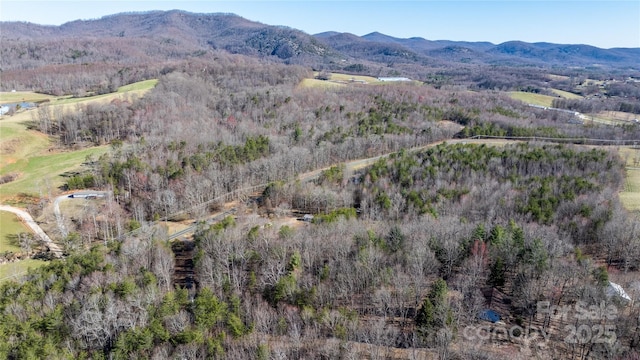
23	96
531	98
10	226
32	157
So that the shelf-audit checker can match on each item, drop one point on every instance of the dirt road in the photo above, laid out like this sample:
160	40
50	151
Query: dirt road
28	220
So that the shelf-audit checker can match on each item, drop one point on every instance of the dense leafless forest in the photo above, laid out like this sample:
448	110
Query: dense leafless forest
399	258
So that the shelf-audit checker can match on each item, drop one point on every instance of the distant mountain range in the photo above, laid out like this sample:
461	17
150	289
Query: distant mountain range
174	34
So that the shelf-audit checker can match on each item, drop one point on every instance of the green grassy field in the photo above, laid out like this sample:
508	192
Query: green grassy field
40	175
541	100
27	96
531	98
14	270
348	78
630	196
339	79
32	156
139	86
16	142
131	90
10	225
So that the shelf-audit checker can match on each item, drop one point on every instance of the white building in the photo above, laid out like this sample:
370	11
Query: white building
393	79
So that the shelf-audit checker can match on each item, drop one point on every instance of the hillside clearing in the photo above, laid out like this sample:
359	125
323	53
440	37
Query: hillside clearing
531	98
566	94
23	96
125	92
41	175
10	225
352	78
617	116
140	85
19	143
315	83
558	77
630	196
31	155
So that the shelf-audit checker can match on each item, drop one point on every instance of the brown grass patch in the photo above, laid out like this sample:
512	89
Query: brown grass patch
618	115
9	147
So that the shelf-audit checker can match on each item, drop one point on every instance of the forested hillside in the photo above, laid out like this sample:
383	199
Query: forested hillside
352	220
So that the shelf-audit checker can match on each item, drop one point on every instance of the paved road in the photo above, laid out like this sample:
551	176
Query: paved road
28	220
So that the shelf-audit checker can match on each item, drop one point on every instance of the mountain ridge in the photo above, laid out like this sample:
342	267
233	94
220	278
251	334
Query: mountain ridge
190	32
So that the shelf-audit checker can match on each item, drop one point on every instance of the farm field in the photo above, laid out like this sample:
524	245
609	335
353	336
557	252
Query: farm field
339	79
540	99
531	98
630	195
16	142
315	83
10	225
349	78
31	156
132	90
566	94
40	175
138	86
617	116
26	96
606	118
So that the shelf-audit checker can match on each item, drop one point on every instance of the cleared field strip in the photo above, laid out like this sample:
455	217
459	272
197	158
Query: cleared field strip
566	94
135	89
315	83
31	156
619	116
128	91
630	196
540	99
23	96
137	86
41	175
531	98
353	78
337	79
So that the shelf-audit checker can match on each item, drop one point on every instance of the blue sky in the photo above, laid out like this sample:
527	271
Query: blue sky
604	24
